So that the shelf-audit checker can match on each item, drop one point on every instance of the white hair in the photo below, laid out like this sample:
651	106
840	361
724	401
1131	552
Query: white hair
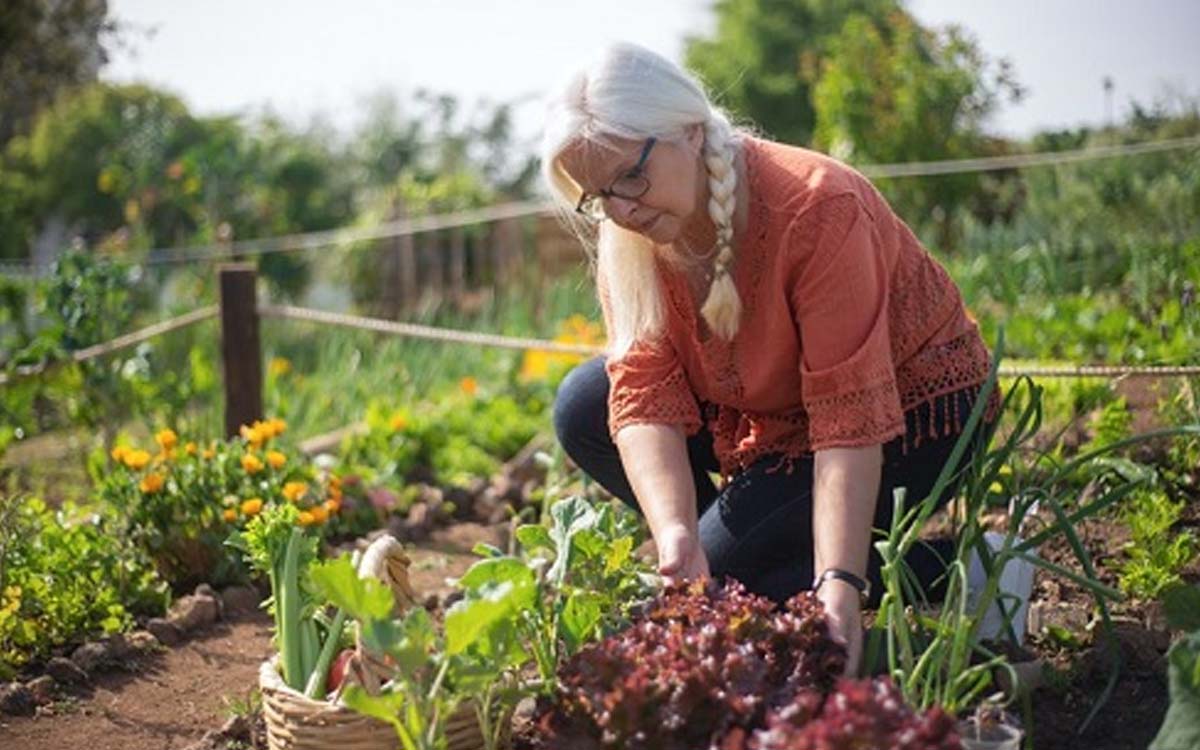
632	93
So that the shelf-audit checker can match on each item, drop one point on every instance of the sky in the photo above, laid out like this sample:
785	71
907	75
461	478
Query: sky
302	58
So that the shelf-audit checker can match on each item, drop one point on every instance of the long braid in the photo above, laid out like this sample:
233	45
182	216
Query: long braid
722	309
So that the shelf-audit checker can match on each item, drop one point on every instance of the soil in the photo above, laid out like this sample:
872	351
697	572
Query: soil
1077	675
169	700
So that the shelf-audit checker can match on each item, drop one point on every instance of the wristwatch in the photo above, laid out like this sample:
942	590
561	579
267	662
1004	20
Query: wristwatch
863	587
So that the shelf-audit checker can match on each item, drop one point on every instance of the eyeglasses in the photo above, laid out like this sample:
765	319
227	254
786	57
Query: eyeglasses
631	186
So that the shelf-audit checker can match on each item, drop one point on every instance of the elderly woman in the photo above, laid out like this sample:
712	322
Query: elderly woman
770	319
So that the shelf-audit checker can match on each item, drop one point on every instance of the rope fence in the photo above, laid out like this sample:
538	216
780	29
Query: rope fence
524	209
521	343
121	342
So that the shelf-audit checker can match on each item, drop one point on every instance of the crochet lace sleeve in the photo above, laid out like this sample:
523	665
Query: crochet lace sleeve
647	384
839	297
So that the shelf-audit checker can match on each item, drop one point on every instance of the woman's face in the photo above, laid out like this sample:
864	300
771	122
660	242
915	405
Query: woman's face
672	169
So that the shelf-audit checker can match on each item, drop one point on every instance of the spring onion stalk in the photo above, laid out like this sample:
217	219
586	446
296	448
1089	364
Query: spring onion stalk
288	607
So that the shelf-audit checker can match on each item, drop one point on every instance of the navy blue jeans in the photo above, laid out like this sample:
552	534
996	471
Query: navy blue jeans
758	527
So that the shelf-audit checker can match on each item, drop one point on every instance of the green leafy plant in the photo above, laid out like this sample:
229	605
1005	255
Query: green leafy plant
64	577
1155	553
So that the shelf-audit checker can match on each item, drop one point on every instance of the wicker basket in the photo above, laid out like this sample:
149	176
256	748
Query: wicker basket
296	722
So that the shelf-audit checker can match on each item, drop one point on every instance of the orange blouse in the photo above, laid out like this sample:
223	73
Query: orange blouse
847	323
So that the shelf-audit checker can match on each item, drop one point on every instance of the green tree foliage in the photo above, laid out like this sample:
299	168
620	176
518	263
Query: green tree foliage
892	91
865	82
764	58
45	48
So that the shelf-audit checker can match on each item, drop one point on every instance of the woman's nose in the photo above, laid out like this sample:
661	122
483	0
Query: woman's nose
620	209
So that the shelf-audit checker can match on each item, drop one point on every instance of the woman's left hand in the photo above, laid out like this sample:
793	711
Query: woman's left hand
843	609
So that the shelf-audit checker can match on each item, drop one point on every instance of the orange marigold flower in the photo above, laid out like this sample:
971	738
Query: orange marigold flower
335	481
207	453
251	463
118	453
319	513
151	483
305	518
253	506
276	459
335	493
166	439
398	423
278	426
229	514
469	385
332	505
253	434
137	459
293	491
190	448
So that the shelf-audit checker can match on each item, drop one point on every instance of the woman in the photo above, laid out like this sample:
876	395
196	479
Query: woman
769	318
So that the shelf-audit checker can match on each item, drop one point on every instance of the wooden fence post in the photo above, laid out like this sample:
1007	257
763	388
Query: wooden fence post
458	265
240	346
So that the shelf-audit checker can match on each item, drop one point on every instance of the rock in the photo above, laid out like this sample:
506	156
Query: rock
16	700
193	612
92	656
65	672
165	631
419	521
125	647
240	599
236	729
42	689
430	495
525	466
205	589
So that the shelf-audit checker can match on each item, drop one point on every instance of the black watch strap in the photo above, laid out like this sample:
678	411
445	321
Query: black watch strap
863	587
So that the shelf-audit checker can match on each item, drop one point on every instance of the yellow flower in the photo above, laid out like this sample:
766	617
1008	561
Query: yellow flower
996	488
397	422
535	365
276	459
335	493
251	463
229	514
190	448
253	435
278	426
306	519
332	505
151	483
207	453
136	459
166	439
252	506
335	481
1005	470
469	385
319	513
279	367
293	491
118	453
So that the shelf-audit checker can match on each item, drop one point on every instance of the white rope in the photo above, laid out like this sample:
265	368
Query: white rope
121	342
522	209
458	336
1017	161
432	333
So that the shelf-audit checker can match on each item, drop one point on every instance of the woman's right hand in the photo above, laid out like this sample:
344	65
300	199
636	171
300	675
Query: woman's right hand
680	555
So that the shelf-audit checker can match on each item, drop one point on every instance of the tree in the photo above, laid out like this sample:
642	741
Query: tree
892	91
45	48
863	80
765	56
